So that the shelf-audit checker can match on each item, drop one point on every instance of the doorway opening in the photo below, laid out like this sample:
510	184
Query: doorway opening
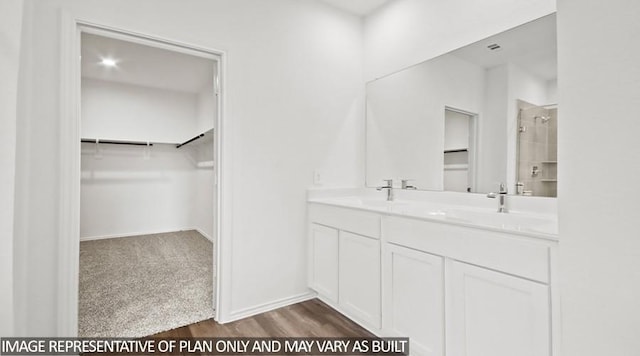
149	198
459	150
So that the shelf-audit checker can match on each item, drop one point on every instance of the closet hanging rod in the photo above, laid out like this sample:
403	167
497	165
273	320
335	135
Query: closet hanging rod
189	141
115	142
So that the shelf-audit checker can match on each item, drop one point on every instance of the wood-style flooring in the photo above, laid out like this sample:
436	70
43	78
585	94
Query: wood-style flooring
312	318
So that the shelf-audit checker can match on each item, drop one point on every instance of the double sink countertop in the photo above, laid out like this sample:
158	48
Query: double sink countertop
530	224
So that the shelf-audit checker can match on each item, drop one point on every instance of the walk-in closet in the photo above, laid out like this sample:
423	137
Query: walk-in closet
148	197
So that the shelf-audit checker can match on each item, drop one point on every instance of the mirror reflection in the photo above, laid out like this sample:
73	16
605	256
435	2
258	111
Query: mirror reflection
471	119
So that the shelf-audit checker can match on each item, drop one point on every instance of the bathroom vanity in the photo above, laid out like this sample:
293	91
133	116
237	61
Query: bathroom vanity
437	264
457	280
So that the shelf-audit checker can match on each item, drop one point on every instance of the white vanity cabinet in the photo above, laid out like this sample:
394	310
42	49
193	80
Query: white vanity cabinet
495	288
360	277
413	298
323	274
344	263
492	313
454	290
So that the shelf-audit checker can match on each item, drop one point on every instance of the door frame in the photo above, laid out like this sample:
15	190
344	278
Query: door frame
472	170
69	177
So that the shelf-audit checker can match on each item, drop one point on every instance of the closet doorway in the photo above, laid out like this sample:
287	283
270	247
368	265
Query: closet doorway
148	195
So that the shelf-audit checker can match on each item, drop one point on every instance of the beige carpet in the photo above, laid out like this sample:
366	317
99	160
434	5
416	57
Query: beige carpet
142	285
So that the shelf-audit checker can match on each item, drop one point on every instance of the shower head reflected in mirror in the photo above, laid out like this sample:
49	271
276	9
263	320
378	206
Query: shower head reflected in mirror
543	119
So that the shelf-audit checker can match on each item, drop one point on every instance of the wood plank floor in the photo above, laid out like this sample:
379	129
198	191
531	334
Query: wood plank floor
312	318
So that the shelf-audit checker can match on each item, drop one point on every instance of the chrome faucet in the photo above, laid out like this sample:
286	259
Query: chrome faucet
503	197
405	184
389	188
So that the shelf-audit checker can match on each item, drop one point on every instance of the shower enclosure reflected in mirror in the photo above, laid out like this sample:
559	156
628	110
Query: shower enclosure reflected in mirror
413	115
537	150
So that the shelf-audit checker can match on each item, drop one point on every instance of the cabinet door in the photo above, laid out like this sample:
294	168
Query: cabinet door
360	277
495	314
323	274
413	298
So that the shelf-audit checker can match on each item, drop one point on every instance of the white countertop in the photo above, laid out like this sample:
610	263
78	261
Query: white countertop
536	225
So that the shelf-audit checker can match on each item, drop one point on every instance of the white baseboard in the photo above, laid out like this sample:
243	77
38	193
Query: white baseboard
204	234
133	234
247	312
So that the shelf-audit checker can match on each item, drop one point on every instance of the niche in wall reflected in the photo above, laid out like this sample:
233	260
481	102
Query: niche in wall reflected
459	150
537	164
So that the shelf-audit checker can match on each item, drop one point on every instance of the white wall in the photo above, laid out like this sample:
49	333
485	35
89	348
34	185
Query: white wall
122	193
207	108
11	30
202	204
552	91
406	32
126	191
456	130
129	112
599	89
294	103
492	135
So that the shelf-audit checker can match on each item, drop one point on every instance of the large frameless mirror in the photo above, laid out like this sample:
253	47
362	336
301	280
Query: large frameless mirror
471	119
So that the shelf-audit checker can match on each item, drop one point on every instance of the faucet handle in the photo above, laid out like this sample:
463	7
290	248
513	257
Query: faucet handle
389	182
491	195
406	185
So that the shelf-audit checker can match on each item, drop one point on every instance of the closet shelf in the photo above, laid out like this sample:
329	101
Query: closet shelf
456	167
549	162
205	164
452	150
203	138
116	142
548	180
208	135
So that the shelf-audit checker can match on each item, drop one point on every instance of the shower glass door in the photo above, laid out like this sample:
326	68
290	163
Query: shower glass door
537	164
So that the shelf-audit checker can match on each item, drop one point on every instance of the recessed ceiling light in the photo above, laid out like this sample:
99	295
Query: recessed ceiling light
108	62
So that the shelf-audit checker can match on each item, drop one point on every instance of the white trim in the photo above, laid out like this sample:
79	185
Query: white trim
223	222
69	190
134	234
69	179
206	236
147	40
262	308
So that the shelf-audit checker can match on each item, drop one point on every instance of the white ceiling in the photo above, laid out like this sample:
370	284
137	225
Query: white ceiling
357	7
531	46
146	66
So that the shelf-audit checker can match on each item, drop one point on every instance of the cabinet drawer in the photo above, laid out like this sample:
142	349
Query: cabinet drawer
494	250
355	221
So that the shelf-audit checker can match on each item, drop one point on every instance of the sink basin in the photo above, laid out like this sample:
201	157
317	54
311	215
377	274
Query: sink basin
515	221
383	203
372	202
